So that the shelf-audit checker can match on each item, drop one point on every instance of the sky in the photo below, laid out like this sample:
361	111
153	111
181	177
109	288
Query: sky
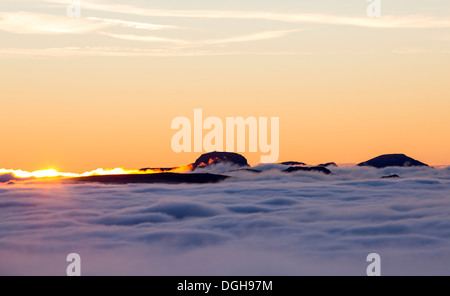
270	223
102	90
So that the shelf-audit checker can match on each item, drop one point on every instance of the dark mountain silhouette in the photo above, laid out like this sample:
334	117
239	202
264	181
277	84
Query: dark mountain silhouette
157	169
333	164
246	170
389	160
391	176
219	157
316	169
292	163
205	160
168	178
6	178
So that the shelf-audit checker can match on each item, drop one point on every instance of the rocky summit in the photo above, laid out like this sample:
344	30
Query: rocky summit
390	160
219	157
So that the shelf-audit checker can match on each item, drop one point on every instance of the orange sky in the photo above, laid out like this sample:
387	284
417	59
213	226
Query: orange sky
342	93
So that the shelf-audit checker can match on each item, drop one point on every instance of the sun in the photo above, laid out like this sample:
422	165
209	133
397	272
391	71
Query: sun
54	173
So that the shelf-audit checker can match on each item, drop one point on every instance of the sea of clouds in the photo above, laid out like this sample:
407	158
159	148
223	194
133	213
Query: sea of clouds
272	223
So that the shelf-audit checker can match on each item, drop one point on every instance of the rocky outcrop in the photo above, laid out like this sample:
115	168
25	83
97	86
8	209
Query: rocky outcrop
328	164
394	176
292	163
308	169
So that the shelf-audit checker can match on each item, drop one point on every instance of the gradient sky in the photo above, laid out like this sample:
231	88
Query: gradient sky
102	90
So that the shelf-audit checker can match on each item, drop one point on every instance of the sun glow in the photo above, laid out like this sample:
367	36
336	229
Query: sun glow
37	174
52	173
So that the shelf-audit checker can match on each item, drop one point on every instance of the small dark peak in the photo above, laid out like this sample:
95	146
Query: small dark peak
293	163
316	169
394	176
246	170
10	183
389	160
328	164
4	178
220	157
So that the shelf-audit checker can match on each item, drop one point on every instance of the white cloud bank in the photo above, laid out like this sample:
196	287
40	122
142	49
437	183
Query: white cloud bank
271	223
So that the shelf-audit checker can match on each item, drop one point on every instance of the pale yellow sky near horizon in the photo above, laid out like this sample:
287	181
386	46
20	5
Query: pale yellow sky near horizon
102	90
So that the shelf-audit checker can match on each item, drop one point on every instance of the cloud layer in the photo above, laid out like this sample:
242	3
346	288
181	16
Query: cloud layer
271	223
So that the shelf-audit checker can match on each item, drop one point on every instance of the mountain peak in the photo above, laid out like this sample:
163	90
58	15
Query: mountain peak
217	157
388	160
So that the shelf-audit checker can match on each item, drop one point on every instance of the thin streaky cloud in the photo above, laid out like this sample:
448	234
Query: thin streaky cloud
134	25
252	37
236	39
143	38
62	52
388	21
38	23
174	51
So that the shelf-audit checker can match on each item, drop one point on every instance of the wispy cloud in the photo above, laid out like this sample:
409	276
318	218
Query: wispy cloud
134	25
235	39
388	21
61	52
251	37
143	38
127	23
39	23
